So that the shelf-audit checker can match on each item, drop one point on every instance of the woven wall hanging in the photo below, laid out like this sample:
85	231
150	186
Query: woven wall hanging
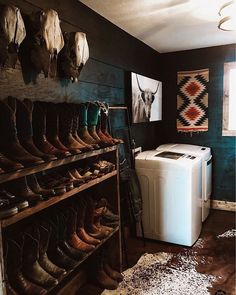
192	101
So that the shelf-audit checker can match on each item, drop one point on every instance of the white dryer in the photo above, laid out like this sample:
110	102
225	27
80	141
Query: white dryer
171	190
205	154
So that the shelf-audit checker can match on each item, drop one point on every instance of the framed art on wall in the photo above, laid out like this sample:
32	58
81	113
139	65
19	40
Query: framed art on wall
146	99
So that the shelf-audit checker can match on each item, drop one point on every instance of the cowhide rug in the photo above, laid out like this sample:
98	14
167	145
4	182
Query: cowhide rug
206	268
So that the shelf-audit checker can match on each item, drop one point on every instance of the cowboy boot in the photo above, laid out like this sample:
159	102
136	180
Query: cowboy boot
13	200
90	227
10	145
39	132
65	129
101	135
47	182
53	127
83	126
74	240
93	113
63	237
31	267
76	182
20	188
104	122
55	253
81	209
8	165
75	127
25	129
37	189
112	273
44	261
101	277
14	271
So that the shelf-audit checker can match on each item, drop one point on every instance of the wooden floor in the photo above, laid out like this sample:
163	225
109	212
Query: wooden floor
221	257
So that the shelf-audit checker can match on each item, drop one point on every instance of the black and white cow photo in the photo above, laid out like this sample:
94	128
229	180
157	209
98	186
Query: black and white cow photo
146	99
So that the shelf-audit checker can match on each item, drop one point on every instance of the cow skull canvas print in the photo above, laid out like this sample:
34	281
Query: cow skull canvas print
146	99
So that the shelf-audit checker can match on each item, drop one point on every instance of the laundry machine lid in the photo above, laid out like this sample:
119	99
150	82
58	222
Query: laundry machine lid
195	150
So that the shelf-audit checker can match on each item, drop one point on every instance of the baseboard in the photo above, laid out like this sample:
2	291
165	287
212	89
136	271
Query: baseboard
223	205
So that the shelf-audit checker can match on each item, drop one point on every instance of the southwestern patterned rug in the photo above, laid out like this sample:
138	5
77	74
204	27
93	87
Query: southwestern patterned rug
202	269
192	101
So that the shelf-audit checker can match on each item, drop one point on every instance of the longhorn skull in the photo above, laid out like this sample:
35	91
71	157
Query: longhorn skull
147	97
47	41
73	56
12	33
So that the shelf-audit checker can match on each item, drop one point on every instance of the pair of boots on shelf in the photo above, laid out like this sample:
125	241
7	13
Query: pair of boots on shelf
29	270
103	273
93	124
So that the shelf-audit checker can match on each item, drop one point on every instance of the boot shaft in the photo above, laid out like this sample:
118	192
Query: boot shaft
24	119
52	120
39	119
93	113
65	119
83	114
8	129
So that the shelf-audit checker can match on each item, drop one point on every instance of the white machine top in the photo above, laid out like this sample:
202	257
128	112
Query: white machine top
149	158
195	150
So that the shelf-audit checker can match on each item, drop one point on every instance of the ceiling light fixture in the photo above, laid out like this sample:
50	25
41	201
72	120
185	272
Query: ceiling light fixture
228	16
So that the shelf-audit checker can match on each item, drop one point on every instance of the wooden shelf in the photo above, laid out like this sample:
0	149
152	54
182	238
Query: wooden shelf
52	290
54	200
53	164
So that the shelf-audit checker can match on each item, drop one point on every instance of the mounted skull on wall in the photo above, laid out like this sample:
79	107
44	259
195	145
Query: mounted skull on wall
73	56
12	33
46	41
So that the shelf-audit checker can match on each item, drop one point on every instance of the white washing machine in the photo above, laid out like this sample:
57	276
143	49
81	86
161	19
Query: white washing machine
205	154
171	190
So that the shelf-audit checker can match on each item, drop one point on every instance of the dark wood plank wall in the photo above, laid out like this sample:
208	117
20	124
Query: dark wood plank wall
112	53
223	147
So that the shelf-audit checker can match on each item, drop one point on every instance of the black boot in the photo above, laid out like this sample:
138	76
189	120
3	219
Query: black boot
10	144
25	129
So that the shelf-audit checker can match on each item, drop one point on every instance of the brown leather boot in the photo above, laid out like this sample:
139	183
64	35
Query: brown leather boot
14	271
10	145
20	188
105	281
8	165
115	275
39	131
65	128
75	128
25	129
44	261
104	122
82	234
53	127
76	181
90	227
92	120
83	126
31	267
74	240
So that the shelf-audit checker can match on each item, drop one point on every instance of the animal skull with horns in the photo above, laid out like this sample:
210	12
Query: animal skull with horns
148	97
12	33
47	41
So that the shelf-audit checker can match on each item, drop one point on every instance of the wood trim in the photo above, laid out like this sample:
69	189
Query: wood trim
223	205
53	164
54	200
